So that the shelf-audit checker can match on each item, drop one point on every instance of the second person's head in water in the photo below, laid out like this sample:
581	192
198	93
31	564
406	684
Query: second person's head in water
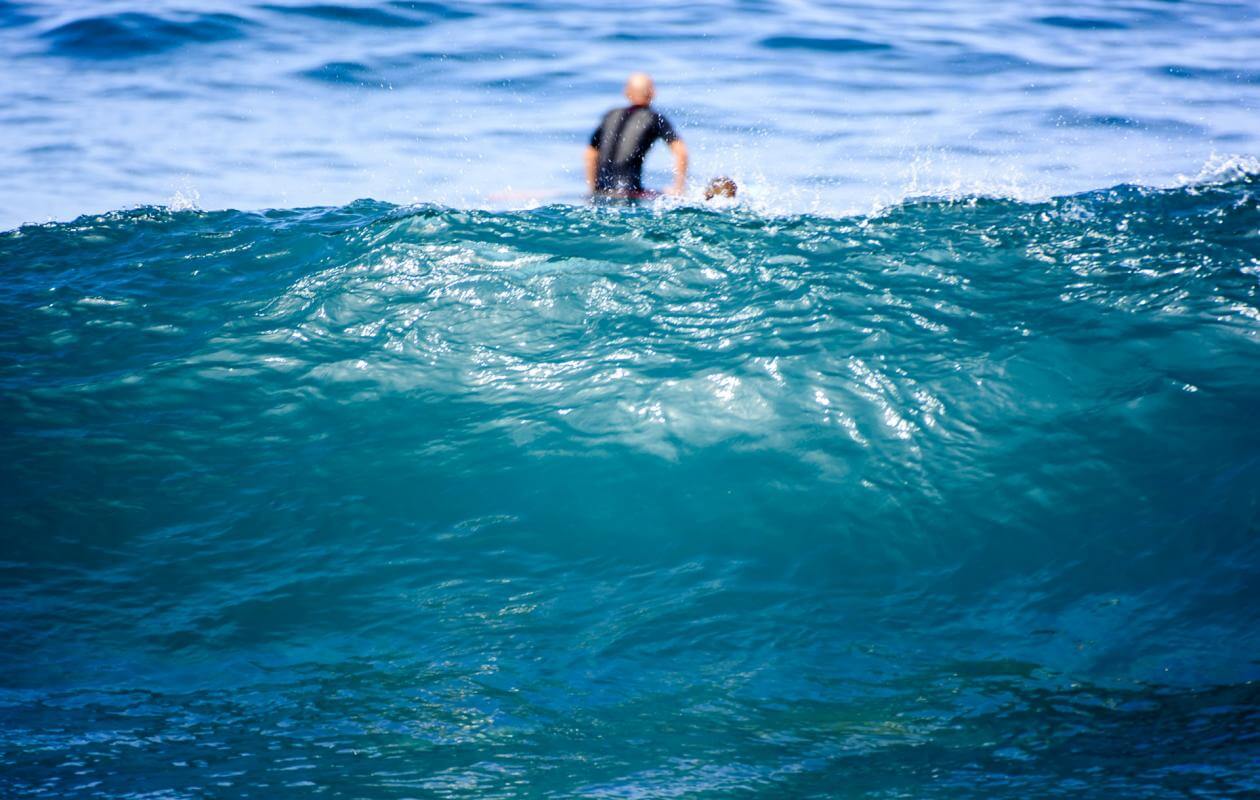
722	187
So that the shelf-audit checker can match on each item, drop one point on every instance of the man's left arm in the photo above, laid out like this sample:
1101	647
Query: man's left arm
676	146
679	149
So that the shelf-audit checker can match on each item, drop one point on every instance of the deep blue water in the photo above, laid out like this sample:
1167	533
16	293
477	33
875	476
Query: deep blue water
467	492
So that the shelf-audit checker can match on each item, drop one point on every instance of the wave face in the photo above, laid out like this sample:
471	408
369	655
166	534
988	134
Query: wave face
959	500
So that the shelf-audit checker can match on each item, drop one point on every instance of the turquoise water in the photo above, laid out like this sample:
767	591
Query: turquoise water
930	469
959	499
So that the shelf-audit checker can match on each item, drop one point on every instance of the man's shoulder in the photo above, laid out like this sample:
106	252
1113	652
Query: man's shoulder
664	127
661	119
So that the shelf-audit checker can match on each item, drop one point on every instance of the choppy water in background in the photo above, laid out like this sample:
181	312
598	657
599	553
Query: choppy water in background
828	107
959	500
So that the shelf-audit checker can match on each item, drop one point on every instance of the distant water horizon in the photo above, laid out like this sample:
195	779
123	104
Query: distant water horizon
834	108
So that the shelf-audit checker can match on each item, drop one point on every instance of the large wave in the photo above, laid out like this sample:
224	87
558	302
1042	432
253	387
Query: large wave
962	495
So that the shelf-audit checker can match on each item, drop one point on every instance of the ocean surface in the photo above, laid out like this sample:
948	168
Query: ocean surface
930	469
826	108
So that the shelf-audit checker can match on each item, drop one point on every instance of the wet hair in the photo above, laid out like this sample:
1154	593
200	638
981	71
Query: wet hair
720	187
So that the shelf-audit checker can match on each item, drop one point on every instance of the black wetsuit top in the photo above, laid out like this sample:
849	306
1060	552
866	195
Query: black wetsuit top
623	139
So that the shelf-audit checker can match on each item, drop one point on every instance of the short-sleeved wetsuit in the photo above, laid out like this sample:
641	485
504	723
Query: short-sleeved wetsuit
623	139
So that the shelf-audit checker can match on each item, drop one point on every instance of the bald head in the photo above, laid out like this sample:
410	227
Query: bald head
640	89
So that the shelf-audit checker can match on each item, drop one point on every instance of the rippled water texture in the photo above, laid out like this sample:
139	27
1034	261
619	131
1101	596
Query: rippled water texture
830	107
957	500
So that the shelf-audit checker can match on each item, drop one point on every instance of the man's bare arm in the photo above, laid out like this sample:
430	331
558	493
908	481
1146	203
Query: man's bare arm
592	165
679	150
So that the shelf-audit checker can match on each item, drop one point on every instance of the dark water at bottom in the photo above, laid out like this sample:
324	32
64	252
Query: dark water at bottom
959	500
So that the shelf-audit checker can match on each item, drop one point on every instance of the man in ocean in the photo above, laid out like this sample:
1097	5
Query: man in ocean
614	159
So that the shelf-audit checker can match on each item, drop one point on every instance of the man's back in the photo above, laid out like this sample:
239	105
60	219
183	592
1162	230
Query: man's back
614	158
623	140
